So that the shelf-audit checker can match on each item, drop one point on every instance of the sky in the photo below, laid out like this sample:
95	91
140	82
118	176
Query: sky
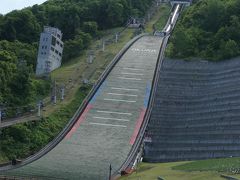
9	5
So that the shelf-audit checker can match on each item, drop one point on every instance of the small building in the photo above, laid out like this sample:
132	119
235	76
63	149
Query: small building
135	22
163	1
50	51
185	2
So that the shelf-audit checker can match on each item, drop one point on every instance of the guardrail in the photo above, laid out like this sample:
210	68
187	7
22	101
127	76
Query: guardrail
139	140
78	113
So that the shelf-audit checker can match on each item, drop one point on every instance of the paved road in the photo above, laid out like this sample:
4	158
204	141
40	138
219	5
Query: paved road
107	129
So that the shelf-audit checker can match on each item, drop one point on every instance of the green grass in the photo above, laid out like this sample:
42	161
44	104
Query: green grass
159	19
78	68
148	171
211	169
229	165
164	17
3	158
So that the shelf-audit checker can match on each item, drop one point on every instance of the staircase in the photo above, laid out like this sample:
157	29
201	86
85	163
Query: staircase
196	113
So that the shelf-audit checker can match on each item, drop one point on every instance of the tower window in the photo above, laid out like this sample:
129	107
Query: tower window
53	41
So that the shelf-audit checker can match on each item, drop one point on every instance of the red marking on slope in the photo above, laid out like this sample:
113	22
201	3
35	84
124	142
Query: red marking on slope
78	123
138	126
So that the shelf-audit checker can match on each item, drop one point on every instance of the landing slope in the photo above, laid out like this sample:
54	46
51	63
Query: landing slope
108	127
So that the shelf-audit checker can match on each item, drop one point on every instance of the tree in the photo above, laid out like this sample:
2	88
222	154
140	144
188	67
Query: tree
72	48
22	26
21	85
208	29
230	49
7	56
90	27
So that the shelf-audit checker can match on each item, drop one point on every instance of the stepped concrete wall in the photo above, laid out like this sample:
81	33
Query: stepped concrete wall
196	113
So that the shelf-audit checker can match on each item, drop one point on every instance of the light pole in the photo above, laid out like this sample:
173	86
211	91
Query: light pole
0	115
1	112
103	45
39	109
62	92
110	172
55	93
116	37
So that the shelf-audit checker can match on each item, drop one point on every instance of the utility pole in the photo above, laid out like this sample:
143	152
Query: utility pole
90	56
90	59
62	92
116	37
149	16
110	172
55	93
39	109
103	45
0	115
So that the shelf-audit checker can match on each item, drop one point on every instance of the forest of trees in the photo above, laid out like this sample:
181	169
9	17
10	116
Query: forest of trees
79	20
209	29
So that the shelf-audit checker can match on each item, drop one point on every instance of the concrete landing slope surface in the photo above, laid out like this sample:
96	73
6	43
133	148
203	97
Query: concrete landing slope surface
107	129
196	113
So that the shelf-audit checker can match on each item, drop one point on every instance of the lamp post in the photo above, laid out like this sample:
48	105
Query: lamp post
103	45
62	92
0	115
116	37
1	111
55	93
110	172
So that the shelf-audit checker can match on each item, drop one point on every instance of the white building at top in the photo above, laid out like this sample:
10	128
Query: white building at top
50	51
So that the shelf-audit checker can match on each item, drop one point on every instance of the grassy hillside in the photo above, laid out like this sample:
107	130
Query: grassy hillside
197	170
80	22
228	165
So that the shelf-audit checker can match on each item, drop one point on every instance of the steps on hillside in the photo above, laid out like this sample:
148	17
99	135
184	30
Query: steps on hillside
196	113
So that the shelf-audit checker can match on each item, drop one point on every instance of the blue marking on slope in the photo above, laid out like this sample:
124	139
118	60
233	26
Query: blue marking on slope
147	95
97	93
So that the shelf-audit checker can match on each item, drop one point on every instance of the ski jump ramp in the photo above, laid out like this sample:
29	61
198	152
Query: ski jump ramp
108	127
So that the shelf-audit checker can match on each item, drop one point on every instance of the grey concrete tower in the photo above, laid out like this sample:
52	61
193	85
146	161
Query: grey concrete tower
50	51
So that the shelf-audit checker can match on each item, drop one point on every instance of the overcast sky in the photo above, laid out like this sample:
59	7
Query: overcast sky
9	5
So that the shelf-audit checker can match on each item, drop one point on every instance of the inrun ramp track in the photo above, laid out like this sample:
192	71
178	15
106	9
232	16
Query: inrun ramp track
107	129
